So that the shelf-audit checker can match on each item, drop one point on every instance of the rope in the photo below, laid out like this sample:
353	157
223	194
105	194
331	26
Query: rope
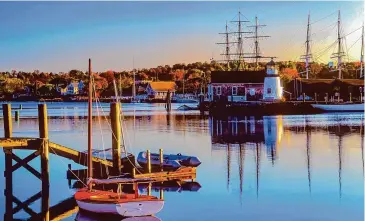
335	12
60	157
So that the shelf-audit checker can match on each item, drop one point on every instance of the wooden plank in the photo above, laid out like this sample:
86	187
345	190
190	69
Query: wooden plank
24	206
186	173
29	201
20	143
76	156
25	161
26	166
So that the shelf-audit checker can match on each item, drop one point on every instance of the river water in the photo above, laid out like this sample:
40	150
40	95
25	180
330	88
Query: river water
303	167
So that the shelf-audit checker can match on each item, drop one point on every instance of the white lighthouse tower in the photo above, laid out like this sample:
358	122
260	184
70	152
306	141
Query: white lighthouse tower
273	90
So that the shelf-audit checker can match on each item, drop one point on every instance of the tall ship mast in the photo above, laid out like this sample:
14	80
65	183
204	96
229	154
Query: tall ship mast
362	53
239	55
340	53
308	55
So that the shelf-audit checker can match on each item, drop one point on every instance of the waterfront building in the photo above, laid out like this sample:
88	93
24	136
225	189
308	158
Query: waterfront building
236	86
159	89
73	88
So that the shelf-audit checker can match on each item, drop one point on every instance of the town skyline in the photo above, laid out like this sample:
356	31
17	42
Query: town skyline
61	36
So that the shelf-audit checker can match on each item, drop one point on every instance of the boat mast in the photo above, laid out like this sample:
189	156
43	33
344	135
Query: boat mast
89	134
307	55
239	40
227	54
257	53
134	83
362	52
339	45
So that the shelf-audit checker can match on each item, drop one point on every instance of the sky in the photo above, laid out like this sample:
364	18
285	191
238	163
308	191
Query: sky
60	36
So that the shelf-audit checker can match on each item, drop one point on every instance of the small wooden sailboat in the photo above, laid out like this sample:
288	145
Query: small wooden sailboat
169	160
106	202
340	107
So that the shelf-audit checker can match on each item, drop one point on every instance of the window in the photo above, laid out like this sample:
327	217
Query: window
269	90
234	90
219	90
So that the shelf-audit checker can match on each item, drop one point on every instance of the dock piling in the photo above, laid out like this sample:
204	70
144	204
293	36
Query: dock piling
350	97
8	124
148	161
116	137
16	115
161	159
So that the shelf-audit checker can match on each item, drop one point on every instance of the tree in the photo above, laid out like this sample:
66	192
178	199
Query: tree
315	69
12	85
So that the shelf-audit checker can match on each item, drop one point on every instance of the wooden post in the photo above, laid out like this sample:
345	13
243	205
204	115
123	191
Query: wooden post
8	129
149	189
44	150
8	192
338	97
16	115
148	161
350	97
161	159
161	194
303	97
116	134
315	97
133	172
326	98
8	126
20	106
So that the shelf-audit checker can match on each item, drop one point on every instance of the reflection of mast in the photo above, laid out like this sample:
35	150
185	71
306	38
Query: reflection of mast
308	160
362	144
228	165
241	167
258	153
340	163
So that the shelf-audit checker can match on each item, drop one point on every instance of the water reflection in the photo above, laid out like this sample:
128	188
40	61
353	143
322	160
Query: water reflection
86	216
236	135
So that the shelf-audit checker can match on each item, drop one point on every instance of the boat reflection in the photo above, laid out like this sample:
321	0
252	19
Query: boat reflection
87	216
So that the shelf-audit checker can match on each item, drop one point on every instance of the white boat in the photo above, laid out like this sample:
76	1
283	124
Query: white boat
107	202
172	160
340	107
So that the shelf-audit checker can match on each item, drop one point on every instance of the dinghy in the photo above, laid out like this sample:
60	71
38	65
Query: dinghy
340	107
107	202
155	161
170	160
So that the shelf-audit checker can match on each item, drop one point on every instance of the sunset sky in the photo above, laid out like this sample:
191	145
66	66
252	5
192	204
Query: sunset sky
60	36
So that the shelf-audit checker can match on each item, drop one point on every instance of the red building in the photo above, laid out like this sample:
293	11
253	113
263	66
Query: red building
236	86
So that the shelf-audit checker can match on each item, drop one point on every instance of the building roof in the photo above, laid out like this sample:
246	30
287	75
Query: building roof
353	82
238	76
163	85
74	84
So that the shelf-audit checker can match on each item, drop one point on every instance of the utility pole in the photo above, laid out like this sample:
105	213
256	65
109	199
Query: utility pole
257	55
308	54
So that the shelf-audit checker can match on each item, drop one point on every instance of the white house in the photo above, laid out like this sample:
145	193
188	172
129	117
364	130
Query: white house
272	88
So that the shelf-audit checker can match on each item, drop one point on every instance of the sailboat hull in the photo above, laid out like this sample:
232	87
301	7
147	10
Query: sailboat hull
127	209
126	205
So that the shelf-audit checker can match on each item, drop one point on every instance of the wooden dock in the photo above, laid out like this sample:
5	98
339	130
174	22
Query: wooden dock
42	147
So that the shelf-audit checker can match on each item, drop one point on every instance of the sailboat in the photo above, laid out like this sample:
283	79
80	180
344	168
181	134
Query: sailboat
106	202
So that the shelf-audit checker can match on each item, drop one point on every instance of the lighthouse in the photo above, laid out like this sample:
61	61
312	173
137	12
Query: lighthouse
273	91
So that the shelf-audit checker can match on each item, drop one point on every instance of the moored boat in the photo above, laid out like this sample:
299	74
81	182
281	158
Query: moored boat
107	202
340	107
155	161
169	160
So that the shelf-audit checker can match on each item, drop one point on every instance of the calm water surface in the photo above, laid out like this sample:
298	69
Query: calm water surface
254	168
